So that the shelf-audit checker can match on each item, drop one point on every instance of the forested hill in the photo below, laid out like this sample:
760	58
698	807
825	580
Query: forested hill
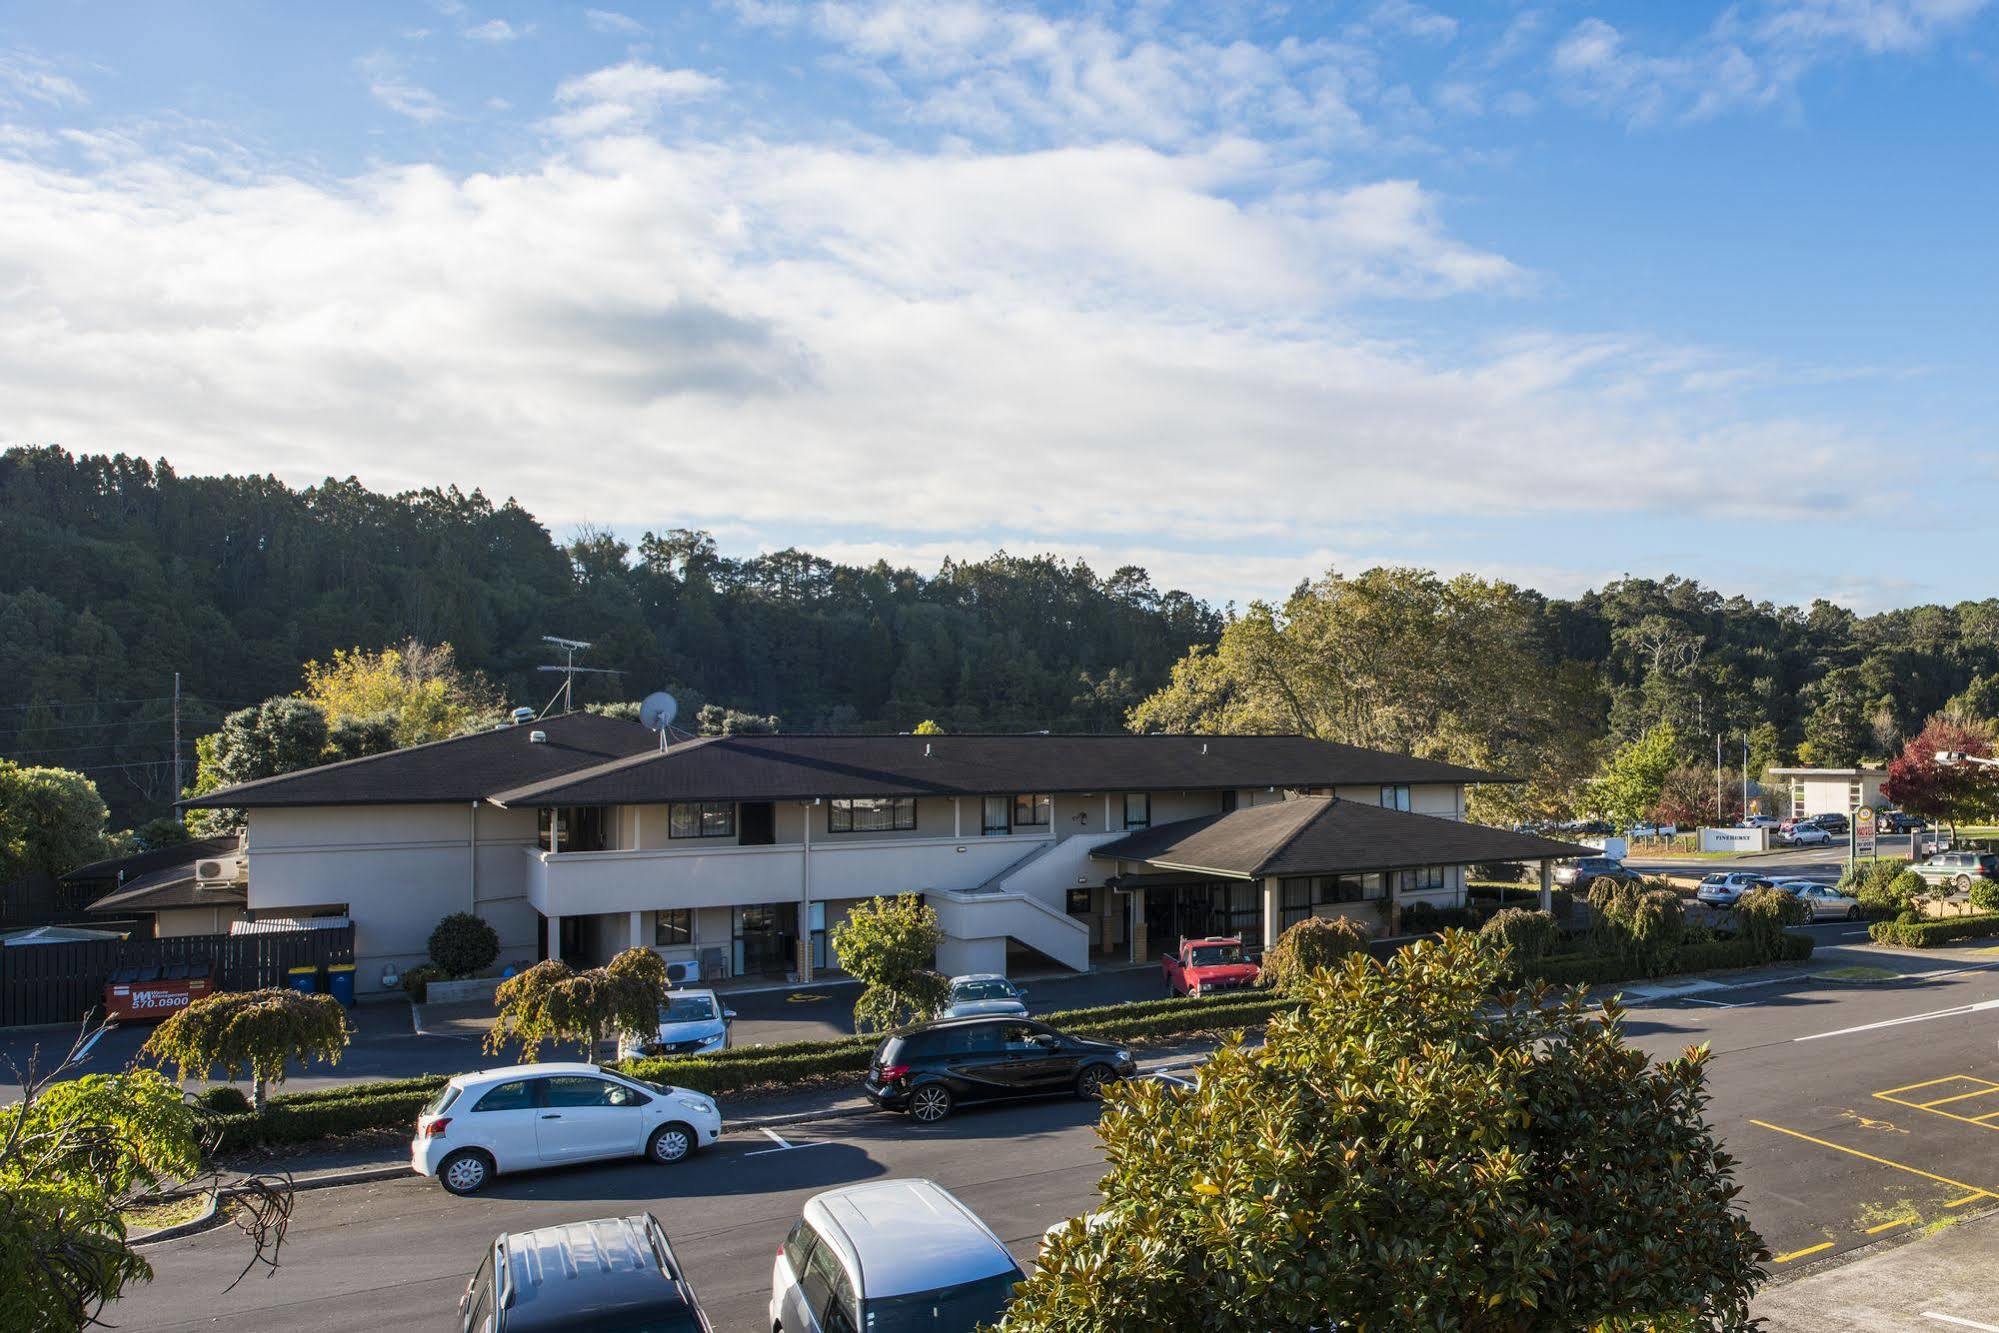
115	573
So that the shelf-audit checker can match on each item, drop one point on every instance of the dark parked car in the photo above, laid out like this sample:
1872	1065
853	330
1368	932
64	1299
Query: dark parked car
1901	821
1834	823
929	1069
1587	870
613	1275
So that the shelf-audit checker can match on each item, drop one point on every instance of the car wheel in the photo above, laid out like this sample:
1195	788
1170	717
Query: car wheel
671	1143
1090	1084
466	1171
1853	914
1963	883
930	1103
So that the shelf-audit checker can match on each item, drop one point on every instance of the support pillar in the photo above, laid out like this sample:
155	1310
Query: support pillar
1547	886
1140	945
555	937
1391	906
638	930
804	945
1273	911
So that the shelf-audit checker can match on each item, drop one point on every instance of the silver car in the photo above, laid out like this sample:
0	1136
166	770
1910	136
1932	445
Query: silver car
1826	903
983	995
890	1254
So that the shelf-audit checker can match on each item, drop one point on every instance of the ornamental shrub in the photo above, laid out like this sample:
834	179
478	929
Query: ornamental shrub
1521	936
256	1032
1641	922
887	944
1760	918
553	1003
1311	945
464	945
1985	895
416	981
223	1099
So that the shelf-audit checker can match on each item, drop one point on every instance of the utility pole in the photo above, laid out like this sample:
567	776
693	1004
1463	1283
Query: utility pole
1745	777
177	785
1717	778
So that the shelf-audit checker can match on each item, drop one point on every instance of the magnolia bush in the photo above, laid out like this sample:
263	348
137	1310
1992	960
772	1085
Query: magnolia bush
887	944
552	1003
255	1032
1309	946
1409	1151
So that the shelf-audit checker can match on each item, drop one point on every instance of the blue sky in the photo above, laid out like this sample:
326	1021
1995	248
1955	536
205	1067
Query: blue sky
1237	291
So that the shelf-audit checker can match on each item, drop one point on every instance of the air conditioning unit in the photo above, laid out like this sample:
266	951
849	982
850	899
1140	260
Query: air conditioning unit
231	869
679	974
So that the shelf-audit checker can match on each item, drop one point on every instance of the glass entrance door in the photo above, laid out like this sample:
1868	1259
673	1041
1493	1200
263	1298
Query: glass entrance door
765	935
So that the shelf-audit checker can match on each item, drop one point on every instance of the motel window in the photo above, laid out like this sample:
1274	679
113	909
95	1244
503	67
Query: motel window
701	819
995	812
1296	895
1423	879
1395	797
1243	915
1228	801
1138	809
871	814
673	928
1030	812
1350	888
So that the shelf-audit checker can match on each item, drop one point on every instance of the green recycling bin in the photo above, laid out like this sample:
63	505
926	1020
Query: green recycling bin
304	980
340	983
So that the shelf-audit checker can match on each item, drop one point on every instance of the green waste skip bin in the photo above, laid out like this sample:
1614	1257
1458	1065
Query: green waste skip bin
340	983
304	980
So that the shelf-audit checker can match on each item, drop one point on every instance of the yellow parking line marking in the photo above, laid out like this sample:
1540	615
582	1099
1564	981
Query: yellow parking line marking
1799	1254
1888	1226
1976	1192
1981	1119
1927	1083
1969	1198
1948	1115
1985	1091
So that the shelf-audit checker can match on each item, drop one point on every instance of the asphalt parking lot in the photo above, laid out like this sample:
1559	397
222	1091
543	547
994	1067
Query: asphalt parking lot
1858	1114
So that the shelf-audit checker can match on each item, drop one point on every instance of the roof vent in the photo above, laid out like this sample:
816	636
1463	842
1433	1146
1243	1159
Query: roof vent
537	738
523	715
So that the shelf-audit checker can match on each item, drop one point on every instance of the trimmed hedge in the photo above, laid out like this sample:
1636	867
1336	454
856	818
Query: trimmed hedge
1603	969
1929	934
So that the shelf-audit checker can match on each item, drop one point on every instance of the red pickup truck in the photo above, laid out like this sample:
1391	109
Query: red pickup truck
1202	967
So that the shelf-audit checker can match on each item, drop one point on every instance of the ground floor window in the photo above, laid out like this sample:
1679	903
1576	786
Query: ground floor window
1423	879
1297	900
1351	888
701	819
871	814
673	929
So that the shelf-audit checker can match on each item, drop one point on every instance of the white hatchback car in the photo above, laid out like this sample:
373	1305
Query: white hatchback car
525	1117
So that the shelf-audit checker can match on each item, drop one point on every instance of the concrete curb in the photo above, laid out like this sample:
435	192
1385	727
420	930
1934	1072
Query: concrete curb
179	1229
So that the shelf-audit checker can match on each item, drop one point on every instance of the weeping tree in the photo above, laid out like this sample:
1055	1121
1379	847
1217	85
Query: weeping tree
75	1152
1411	1150
552	1003
1309	946
257	1032
887	944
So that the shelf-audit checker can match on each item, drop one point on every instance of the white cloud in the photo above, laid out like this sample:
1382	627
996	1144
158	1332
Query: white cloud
388	85
611	21
497	30
1152	349
27	78
1747	58
625	97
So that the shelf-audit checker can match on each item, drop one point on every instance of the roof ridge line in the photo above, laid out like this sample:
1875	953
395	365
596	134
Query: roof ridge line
1295	833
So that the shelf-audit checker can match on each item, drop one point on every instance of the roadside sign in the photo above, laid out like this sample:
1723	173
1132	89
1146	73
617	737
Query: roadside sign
1863	831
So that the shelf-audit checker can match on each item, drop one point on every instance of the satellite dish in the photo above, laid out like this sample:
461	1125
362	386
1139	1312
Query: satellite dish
658	709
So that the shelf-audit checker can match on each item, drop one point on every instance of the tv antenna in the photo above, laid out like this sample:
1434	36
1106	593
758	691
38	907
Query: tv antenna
569	670
657	710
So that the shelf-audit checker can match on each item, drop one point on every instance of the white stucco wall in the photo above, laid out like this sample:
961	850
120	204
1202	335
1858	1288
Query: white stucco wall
398	869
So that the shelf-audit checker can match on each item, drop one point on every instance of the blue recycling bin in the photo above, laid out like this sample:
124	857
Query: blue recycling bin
340	983
304	980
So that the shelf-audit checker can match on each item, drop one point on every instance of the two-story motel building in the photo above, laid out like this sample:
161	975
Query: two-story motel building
579	836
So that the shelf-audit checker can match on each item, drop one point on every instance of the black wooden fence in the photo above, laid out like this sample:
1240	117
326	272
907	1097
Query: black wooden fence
60	983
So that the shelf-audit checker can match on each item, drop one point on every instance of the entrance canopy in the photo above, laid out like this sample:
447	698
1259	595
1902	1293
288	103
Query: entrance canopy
1322	835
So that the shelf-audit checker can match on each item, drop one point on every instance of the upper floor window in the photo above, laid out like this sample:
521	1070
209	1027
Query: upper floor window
1395	797
1138	809
575	828
1030	811
701	819
995	815
871	814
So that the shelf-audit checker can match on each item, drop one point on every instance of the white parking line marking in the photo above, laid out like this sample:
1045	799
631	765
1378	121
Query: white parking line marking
1716	1003
1961	1323
784	1145
1957	1012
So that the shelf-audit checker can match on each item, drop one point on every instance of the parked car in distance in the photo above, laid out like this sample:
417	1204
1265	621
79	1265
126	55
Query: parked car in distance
1805	835
1205	966
1722	888
1835	824
1958	869
1652	830
893	1256
611	1275
525	1117
930	1069
691	1022
1826	902
1586	870
984	993
1761	821
1900	821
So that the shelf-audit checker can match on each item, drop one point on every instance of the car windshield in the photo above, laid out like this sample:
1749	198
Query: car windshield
970	1305
982	990
1216	955
687	1009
